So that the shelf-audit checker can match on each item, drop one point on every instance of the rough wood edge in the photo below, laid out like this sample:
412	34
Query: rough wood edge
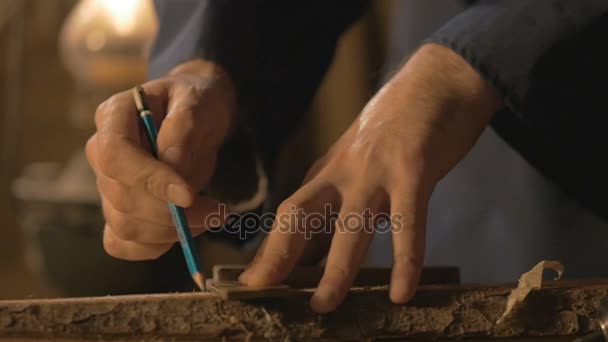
437	311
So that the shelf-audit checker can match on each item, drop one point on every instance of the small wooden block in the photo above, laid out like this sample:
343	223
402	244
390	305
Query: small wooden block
303	280
235	291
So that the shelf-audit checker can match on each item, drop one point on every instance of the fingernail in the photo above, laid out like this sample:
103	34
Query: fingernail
179	195
325	299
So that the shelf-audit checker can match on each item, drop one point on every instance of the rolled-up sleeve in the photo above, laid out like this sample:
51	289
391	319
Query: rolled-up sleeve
547	59
505	39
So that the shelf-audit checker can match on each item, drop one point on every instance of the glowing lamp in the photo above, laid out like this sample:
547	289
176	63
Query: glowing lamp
104	45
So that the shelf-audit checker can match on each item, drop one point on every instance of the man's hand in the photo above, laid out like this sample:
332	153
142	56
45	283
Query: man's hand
418	126
194	107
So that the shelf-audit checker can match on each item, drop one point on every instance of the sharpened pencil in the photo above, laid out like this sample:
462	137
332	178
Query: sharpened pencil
177	213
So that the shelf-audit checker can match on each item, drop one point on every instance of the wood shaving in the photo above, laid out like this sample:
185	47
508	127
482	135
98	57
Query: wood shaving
529	281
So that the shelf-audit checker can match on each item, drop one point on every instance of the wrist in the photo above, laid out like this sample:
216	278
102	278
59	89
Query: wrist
449	81
438	105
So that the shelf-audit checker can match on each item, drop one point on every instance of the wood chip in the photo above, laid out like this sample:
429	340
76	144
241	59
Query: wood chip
529	281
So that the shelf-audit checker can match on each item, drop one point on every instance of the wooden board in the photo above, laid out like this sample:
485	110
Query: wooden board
437	311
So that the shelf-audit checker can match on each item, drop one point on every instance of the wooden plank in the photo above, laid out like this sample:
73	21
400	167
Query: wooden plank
437	311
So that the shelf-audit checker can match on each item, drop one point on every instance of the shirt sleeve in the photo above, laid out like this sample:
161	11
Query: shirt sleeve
505	39
276	53
547	58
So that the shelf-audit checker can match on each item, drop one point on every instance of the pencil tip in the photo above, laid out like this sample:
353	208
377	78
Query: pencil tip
199	279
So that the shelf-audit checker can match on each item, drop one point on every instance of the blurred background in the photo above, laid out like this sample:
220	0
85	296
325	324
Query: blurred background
58	60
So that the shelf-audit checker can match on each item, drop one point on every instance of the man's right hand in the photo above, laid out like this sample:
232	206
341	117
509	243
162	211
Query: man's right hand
194	108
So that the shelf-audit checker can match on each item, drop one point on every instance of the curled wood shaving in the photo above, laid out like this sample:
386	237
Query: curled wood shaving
529	281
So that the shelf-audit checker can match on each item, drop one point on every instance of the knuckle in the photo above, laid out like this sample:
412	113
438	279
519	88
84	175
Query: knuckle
89	150
412	163
108	163
407	223
154	185
286	218
189	89
105	108
123	228
338	273
128	251
289	205
120	199
113	246
349	223
405	259
101	108
109	107
112	102
120	203
100	113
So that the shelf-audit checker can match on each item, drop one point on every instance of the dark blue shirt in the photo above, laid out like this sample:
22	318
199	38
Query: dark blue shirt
548	59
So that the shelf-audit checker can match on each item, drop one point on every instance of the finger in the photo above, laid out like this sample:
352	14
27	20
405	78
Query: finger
320	228
408	219
121	156
320	225
245	275
140	205
129	228
313	251
133	251
119	115
128	164
289	235
352	237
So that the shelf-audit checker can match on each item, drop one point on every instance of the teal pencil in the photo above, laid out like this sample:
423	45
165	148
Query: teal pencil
177	213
